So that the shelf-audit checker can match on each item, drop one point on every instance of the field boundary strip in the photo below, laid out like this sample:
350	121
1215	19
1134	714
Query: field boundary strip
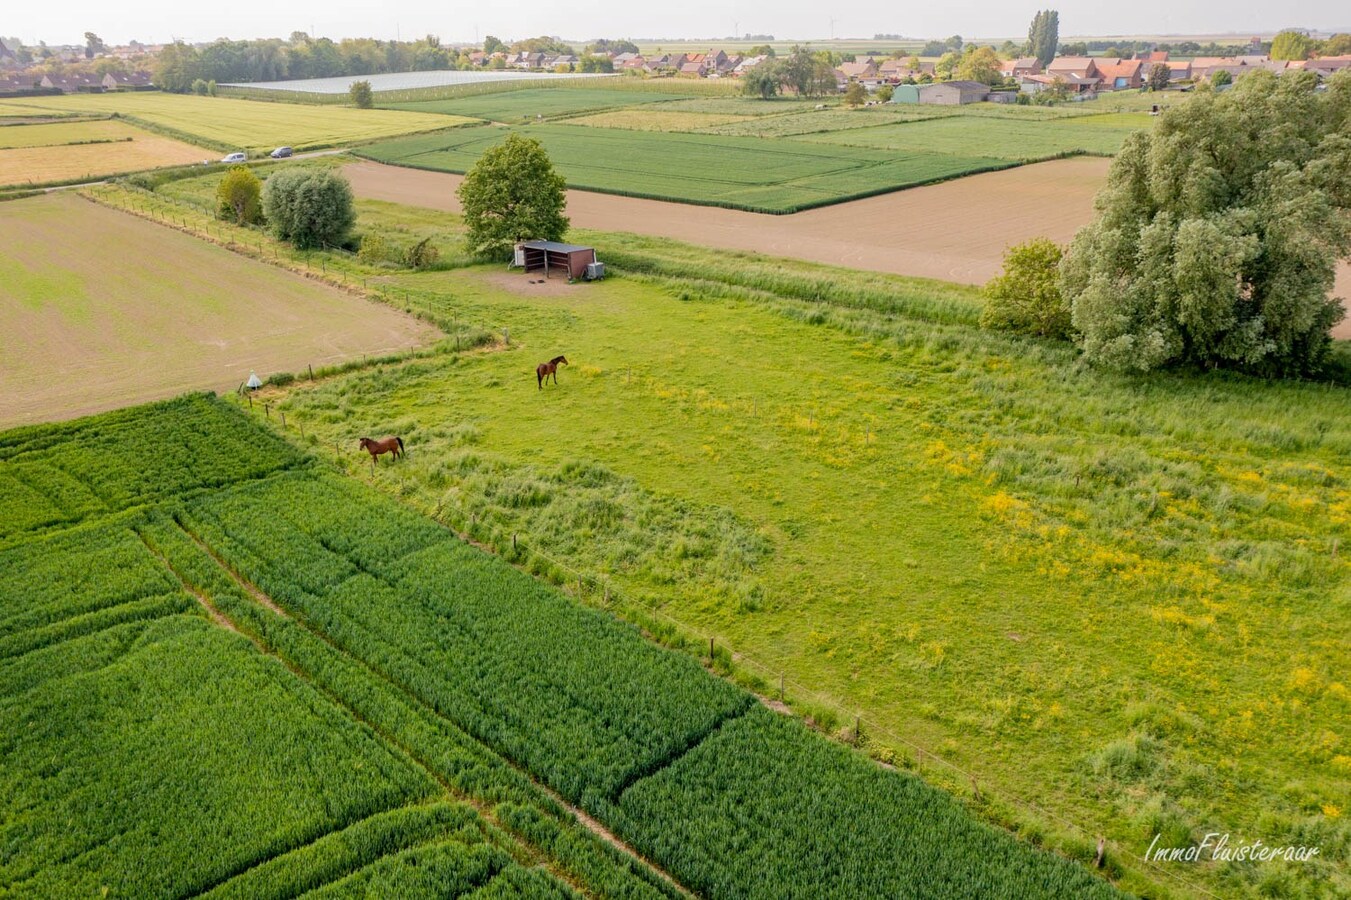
257	596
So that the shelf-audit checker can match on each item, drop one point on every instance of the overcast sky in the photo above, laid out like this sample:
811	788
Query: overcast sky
153	21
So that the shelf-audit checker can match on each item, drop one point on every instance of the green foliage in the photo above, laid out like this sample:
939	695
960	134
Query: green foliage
1158	77
855	95
981	64
762	81
309	207
359	92
1292	45
1026	296
199	87
1221	78
1216	245
885	93
512	194
239	197
763	781
421	255
806	74
947	64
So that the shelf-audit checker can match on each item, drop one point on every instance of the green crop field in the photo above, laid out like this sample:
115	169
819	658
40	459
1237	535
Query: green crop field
1038	572
744	173
998	137
512	106
230	671
222	123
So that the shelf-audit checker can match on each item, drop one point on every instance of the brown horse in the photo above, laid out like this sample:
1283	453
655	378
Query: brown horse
544	370
392	445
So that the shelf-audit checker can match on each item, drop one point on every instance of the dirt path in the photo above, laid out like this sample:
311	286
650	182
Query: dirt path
954	231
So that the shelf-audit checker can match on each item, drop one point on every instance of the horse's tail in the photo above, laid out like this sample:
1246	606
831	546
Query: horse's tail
400	440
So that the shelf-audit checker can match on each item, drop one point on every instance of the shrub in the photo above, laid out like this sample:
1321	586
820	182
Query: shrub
421	255
360	93
308	207
1026	297
239	197
855	95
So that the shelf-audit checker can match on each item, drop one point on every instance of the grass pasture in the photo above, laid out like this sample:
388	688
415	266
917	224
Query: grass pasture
513	106
87	304
996	137
226	125
86	149
745	173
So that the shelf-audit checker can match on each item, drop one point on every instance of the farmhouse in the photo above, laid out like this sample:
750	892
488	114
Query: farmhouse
1327	65
858	71
1120	74
1019	68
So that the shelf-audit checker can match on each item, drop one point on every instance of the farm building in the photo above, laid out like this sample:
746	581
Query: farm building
941	93
551	256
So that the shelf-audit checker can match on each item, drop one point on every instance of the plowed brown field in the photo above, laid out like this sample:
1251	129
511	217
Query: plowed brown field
954	231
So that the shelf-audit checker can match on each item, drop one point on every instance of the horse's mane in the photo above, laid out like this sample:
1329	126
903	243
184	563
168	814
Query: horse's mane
556	360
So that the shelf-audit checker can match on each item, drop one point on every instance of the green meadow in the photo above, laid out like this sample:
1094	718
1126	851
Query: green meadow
512	106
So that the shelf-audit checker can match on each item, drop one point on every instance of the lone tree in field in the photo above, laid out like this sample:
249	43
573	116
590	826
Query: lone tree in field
1043	35
309	207
360	93
855	95
239	196
1218	233
1026	297
512	194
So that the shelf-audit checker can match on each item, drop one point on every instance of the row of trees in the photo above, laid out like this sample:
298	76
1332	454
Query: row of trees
1215	243
802	71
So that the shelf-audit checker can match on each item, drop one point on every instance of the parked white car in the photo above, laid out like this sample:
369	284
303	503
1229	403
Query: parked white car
236	158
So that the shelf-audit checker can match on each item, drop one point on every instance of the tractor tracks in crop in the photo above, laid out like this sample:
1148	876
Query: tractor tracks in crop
485	809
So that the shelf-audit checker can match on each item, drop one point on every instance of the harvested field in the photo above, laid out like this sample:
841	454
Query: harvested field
990	136
246	124
955	231
44	154
48	133
99	309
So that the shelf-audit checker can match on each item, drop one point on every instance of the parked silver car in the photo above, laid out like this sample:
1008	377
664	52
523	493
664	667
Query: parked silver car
236	158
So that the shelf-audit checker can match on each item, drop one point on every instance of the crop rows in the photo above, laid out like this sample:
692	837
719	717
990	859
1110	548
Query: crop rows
578	698
776	176
56	474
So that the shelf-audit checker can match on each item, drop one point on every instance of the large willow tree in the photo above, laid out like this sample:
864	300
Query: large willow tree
1219	232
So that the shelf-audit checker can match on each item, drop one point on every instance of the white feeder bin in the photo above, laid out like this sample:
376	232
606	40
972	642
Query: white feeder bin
254	381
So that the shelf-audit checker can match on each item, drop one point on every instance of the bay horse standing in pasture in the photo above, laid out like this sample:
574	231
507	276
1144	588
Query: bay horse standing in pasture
544	370
392	445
